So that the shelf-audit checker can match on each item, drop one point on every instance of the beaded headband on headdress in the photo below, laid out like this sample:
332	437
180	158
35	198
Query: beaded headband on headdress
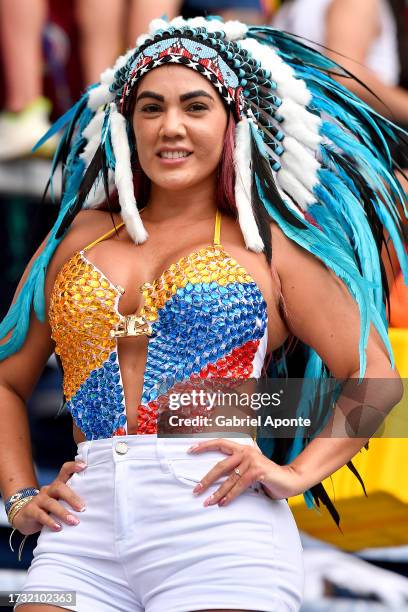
309	155
191	54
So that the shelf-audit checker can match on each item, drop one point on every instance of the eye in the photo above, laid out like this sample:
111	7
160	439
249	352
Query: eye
151	108
197	107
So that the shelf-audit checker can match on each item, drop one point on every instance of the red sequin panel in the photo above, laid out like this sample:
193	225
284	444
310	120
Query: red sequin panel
237	364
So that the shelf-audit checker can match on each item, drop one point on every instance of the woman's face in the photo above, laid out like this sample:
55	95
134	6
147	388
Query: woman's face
179	123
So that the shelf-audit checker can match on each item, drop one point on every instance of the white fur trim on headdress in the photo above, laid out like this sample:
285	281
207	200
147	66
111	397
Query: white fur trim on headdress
99	95
178	22
234	30
158	24
124	177
140	40
197	22
243	180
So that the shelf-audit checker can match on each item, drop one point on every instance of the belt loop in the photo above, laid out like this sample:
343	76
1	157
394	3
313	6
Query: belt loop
162	455
84	451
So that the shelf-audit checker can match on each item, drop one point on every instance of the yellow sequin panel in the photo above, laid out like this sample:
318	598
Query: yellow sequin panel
209	264
82	313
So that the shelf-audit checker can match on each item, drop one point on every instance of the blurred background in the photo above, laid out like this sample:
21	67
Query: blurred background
50	51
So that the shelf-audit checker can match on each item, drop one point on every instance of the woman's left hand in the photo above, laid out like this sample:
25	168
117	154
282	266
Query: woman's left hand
279	481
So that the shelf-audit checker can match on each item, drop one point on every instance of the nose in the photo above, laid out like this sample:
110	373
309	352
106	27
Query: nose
172	124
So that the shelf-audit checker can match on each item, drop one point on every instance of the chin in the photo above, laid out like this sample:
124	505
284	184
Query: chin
179	184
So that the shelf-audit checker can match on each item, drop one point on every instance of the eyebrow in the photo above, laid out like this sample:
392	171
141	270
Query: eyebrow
187	96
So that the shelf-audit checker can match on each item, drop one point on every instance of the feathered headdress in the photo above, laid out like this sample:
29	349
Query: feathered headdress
308	154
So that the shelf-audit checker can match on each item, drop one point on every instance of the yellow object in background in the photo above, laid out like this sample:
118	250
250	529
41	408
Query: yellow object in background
399	303
399	341
377	521
383	470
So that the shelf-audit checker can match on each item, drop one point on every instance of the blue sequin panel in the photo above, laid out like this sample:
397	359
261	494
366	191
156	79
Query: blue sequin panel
98	406
199	324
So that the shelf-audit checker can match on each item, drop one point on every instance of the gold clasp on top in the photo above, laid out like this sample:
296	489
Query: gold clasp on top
131	325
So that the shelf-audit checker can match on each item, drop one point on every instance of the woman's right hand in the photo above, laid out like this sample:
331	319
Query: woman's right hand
34	514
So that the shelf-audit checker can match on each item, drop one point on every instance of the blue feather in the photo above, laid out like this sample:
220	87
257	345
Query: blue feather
61	122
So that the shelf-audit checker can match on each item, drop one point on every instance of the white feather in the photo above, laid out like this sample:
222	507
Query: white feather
124	177
99	95
92	133
298	174
289	183
300	162
300	123
286	198
243	178
107	76
97	195
94	127
122	60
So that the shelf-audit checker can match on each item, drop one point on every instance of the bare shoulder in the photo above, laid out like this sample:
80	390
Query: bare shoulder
87	226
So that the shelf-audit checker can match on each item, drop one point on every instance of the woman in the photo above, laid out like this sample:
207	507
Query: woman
161	124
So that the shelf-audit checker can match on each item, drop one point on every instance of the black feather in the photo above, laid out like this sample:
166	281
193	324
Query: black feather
87	182
320	495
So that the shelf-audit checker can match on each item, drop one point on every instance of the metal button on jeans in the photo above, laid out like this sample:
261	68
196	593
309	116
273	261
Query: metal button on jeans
121	448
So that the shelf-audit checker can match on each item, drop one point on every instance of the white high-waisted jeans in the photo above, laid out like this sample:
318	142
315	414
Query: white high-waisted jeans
145	542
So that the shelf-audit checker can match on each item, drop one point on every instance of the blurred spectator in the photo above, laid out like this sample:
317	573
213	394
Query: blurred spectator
25	115
369	35
249	11
107	27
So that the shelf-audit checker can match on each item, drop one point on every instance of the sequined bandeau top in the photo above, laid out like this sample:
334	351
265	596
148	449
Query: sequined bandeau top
204	317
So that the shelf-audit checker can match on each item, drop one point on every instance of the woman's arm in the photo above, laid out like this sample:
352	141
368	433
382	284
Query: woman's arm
322	313
19	374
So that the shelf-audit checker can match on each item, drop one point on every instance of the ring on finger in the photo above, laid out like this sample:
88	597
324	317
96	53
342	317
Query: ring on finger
237	472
